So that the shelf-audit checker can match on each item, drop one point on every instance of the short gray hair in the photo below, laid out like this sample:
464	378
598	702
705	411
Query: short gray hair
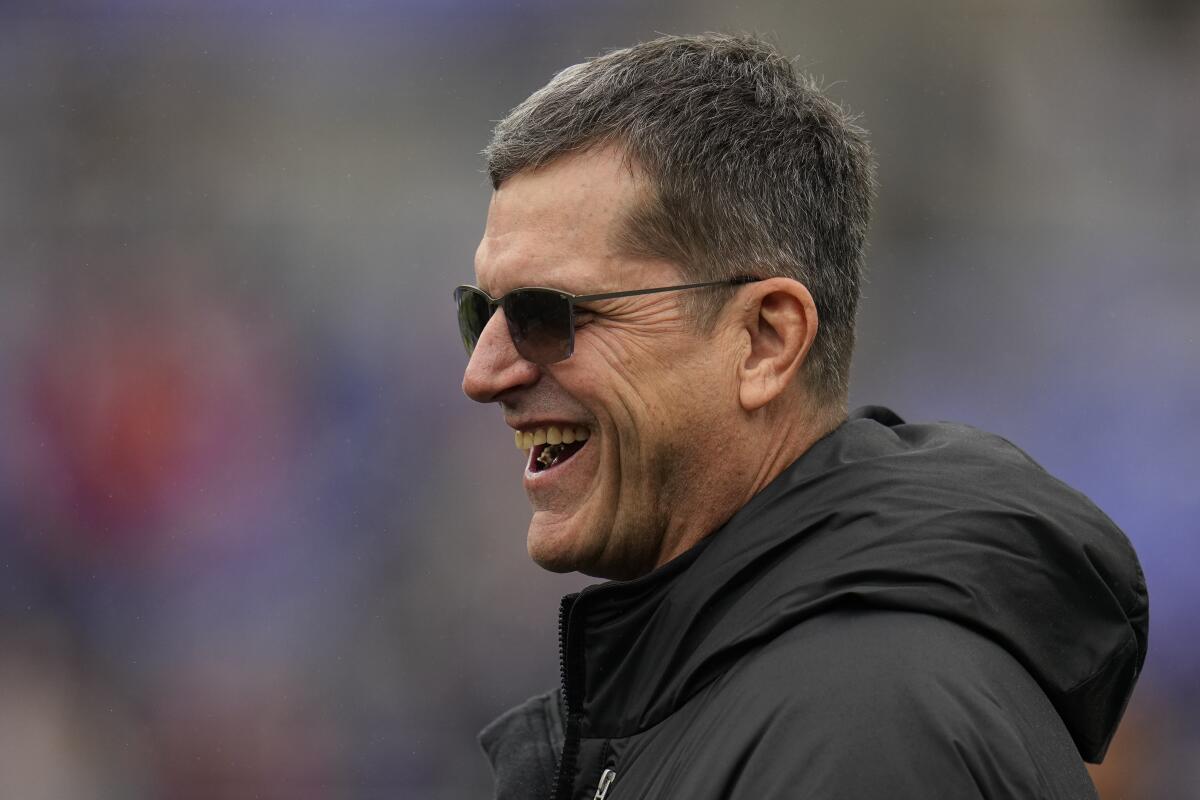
751	170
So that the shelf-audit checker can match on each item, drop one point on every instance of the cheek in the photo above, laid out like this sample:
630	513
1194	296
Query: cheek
647	388
665	426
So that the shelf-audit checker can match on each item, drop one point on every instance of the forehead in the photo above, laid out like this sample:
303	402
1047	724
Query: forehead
556	226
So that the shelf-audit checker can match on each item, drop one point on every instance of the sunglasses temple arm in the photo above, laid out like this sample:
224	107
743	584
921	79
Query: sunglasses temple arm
613	295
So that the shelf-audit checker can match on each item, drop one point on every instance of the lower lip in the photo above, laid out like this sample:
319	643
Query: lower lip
537	480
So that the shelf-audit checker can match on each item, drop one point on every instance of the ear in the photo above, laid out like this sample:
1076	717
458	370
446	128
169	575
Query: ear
780	317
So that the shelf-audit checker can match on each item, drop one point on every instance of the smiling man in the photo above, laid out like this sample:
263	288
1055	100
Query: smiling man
658	460
801	602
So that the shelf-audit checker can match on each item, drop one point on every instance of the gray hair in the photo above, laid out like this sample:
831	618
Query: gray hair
751	171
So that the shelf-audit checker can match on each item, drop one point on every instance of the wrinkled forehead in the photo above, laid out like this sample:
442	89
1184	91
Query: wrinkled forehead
559	225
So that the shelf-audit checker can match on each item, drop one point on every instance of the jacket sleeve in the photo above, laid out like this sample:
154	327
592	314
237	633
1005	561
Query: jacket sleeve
523	746
891	705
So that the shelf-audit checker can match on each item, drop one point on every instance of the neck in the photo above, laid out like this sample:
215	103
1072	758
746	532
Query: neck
771	441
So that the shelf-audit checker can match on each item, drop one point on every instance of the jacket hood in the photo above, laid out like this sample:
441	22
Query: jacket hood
934	518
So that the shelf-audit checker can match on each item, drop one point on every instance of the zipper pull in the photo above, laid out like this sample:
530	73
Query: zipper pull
606	780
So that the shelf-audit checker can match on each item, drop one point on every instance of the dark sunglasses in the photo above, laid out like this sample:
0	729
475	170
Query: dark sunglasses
541	321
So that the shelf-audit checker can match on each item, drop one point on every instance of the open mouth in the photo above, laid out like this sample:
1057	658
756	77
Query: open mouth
552	446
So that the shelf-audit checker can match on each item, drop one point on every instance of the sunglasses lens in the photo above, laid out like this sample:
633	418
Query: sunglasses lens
474	310
540	324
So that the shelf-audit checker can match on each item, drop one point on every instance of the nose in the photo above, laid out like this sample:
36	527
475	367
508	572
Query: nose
496	368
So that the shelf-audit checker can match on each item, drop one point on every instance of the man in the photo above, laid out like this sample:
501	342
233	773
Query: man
802	603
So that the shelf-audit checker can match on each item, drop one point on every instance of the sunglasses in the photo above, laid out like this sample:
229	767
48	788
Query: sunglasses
541	321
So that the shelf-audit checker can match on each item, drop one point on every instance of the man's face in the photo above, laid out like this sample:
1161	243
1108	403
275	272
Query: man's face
655	395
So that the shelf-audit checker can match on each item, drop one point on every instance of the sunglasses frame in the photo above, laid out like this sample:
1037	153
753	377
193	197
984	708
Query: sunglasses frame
470	339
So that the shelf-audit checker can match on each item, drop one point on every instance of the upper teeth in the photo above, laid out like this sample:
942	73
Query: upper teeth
551	435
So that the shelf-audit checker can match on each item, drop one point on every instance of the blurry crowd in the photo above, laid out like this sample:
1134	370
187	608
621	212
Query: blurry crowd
253	541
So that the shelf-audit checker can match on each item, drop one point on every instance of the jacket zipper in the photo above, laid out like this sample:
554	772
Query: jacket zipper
605	781
564	779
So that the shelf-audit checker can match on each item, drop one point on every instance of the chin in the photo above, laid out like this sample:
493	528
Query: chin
553	547
558	545
559	551
549	558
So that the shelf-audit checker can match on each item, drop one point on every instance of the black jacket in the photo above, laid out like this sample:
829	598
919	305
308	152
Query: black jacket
908	611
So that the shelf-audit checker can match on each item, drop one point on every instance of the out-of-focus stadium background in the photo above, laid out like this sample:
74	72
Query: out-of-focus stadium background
253	540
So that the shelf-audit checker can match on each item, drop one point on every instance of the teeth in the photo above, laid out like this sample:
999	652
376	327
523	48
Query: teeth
552	435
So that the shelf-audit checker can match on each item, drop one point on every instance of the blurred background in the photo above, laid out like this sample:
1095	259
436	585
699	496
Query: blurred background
253	540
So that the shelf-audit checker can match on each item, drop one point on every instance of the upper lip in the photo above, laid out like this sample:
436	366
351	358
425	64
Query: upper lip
534	424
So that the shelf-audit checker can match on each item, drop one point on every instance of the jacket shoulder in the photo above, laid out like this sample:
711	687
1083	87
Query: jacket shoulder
863	704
